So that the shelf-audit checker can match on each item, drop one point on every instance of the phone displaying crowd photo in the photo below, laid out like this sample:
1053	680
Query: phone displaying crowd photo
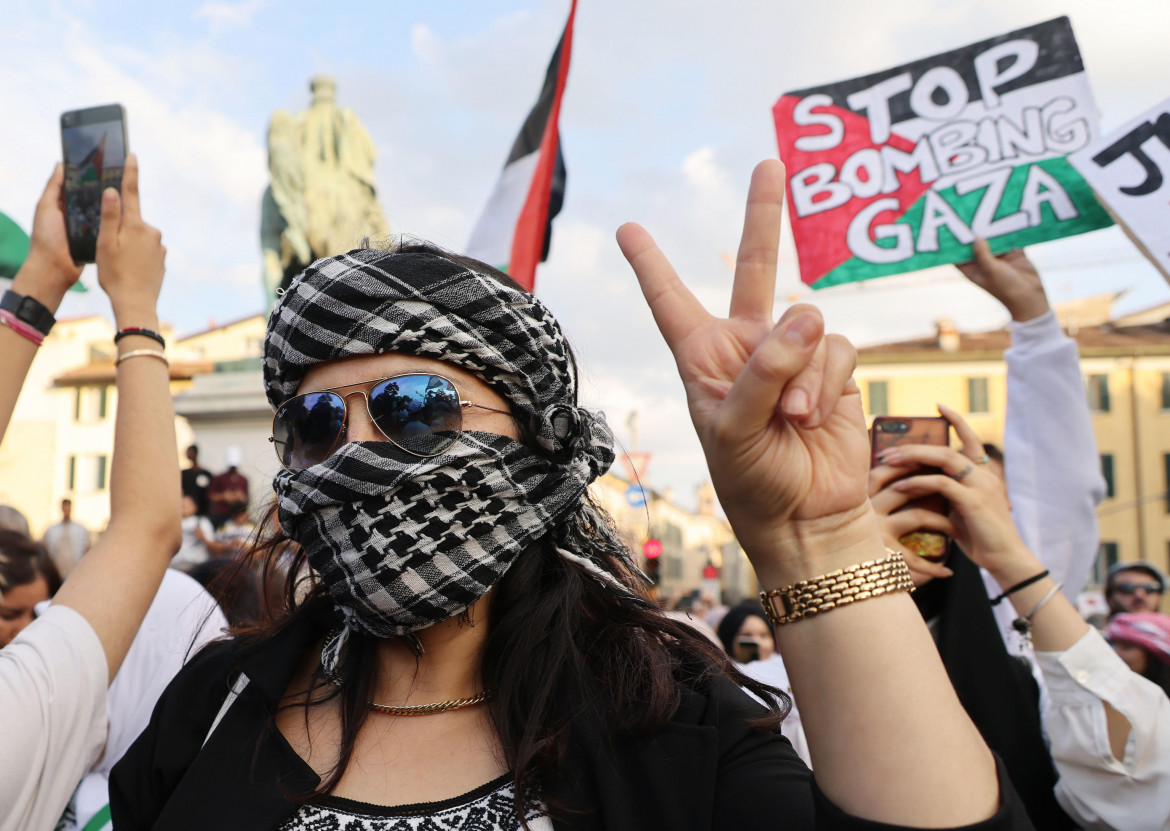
891	431
93	142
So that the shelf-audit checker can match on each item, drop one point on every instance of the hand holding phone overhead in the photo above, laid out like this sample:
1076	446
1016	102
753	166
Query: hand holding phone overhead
94	149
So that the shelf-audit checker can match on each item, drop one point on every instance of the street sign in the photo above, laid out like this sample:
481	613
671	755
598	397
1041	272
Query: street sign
635	496
652	549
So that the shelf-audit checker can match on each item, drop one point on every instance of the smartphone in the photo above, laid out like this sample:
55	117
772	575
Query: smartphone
747	650
891	431
93	145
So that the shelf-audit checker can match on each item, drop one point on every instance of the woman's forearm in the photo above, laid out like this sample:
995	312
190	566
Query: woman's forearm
18	351
114	584
128	561
18	354
871	686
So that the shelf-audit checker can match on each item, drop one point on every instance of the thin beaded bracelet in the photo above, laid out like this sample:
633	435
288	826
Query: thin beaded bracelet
143	353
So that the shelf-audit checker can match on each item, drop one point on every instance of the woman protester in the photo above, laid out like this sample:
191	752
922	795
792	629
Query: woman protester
1142	640
54	674
1108	726
27	577
478	642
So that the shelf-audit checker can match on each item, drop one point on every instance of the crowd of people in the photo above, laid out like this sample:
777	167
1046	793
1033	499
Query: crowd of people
437	627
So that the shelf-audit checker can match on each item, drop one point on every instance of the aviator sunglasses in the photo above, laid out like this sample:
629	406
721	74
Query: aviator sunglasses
1132	588
419	413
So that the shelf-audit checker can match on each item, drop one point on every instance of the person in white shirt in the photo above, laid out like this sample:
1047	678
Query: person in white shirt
54	674
1051	465
1109	727
66	540
197	529
182	619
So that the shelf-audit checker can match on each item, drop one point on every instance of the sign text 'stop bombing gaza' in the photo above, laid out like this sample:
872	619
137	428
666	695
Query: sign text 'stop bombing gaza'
902	169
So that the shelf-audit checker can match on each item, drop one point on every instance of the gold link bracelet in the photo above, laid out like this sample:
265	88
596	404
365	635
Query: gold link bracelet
808	598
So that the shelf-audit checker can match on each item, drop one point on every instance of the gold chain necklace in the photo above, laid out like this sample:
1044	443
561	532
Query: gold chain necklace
429	709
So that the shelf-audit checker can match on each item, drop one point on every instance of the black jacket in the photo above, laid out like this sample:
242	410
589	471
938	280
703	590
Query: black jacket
996	689
706	769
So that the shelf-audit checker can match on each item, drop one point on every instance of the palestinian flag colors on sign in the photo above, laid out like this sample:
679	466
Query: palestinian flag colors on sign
903	169
515	230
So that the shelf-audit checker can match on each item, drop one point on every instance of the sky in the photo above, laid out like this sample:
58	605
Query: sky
667	109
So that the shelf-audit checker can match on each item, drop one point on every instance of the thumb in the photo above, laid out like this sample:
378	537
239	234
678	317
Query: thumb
787	350
111	218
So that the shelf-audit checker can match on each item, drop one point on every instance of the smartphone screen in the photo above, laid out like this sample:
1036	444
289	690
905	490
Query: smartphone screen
93	143
747	650
891	431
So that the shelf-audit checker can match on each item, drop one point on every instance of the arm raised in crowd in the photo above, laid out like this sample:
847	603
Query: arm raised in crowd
113	585
46	275
780	420
1096	701
1051	464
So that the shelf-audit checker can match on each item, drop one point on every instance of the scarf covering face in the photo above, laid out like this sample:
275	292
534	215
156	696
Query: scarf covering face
403	542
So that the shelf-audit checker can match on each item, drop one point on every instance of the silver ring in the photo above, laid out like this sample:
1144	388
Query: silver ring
984	459
958	477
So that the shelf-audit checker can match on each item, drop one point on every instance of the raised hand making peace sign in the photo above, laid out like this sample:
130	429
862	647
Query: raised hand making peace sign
775	406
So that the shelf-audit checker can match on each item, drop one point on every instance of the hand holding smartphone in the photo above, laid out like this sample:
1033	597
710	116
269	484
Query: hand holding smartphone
891	431
94	148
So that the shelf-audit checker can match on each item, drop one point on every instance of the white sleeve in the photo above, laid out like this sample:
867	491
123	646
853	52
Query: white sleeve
1051	463
53	680
1095	788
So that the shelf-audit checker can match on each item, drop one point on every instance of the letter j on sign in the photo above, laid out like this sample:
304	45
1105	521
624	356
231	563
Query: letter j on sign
903	169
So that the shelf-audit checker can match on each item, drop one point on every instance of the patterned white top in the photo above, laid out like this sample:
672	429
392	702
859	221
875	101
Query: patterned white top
488	806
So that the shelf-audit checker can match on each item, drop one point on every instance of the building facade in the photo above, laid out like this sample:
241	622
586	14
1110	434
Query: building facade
61	437
698	549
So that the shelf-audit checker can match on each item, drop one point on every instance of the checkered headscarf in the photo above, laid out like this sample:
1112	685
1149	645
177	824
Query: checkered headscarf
403	542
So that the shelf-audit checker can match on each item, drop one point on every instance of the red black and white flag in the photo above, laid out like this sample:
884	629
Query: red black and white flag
515	229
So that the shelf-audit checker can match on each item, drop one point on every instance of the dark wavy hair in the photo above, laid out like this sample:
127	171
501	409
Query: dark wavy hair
23	560
552	629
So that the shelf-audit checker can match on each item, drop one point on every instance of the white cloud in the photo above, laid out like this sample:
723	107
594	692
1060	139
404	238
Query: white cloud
223	15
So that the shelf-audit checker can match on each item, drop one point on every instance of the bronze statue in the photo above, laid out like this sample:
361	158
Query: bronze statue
322	200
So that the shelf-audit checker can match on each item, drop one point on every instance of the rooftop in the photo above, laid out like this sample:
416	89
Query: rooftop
101	373
1142	333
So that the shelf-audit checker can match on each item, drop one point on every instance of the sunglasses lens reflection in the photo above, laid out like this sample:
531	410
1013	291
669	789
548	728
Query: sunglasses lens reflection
419	413
307	428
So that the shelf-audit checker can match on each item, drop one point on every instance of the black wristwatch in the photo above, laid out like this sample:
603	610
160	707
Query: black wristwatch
31	311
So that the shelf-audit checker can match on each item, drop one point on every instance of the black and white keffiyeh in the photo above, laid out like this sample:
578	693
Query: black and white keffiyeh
403	542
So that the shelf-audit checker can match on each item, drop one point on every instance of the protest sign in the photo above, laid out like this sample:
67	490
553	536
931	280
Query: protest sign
1128	169
902	169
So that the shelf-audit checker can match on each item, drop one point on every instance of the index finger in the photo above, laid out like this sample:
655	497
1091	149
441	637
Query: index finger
951	462
676	311
130	207
754	291
52	192
972	444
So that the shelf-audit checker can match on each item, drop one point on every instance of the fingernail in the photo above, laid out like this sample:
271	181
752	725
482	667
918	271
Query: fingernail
890	456
801	331
949	573
109	195
796	402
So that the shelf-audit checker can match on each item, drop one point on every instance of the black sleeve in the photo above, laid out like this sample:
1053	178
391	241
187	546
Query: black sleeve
763	783
143	780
